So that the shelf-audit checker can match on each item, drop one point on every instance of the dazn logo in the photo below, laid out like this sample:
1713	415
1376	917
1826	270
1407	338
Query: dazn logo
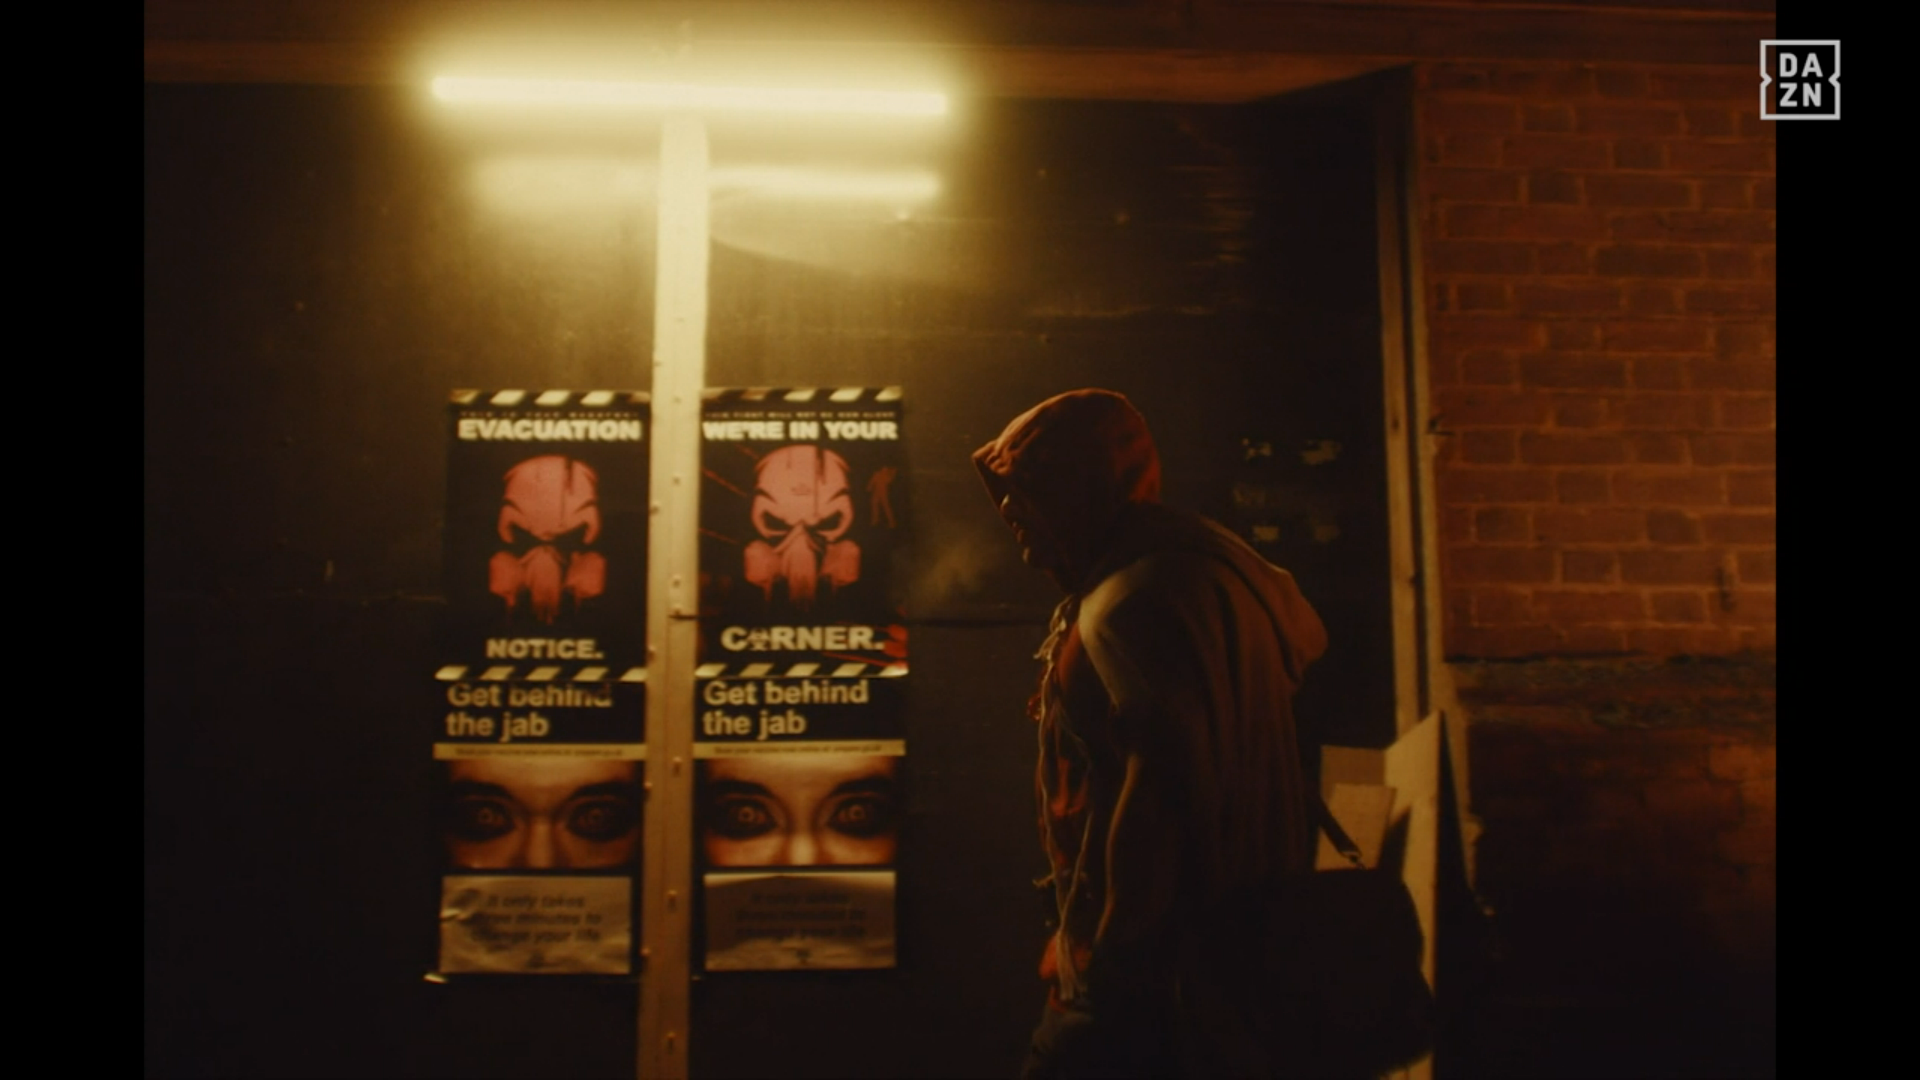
1800	80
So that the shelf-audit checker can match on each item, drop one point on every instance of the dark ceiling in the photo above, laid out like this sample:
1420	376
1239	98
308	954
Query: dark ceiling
1194	50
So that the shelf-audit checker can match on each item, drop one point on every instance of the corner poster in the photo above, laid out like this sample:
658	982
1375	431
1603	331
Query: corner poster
539	736
799	714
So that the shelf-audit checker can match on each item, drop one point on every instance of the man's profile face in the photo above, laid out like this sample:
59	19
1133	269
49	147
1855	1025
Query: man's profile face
1038	546
800	810
542	814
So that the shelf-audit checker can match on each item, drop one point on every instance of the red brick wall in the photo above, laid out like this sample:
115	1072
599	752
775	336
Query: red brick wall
1599	246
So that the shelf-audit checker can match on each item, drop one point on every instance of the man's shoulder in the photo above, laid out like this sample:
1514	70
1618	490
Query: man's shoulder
1197	556
1163	587
1197	587
1174	570
1197	572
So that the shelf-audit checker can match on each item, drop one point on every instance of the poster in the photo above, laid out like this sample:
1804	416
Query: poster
763	921
493	924
539	734
799	719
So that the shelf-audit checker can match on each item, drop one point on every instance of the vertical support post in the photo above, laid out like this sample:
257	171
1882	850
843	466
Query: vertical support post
1438	692
1403	558
679	372
1413	761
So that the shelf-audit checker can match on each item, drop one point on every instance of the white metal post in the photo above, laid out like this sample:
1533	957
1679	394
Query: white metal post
679	373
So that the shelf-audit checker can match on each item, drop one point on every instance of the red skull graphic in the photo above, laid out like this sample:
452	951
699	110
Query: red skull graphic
802	510
550	514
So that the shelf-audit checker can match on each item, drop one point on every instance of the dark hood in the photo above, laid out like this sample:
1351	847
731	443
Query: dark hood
1087	463
1080	458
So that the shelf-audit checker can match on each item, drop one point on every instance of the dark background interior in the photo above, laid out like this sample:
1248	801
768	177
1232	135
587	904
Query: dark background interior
320	272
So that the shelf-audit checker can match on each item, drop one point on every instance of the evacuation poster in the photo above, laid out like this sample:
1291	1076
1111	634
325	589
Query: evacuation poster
798	726
539	733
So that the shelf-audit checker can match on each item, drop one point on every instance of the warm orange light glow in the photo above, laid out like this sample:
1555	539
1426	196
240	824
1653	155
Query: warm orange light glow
895	186
550	184
686	97
585	183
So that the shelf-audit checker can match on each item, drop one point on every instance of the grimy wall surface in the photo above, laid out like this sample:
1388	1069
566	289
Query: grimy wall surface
321	269
1600	268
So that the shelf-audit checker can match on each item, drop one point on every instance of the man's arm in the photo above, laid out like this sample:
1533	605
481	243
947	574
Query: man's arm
1143	855
1141	640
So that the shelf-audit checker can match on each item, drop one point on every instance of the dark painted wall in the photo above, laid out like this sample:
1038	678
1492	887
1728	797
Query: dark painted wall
321	270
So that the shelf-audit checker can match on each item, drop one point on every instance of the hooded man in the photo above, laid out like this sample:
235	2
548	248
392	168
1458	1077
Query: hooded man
1170	776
